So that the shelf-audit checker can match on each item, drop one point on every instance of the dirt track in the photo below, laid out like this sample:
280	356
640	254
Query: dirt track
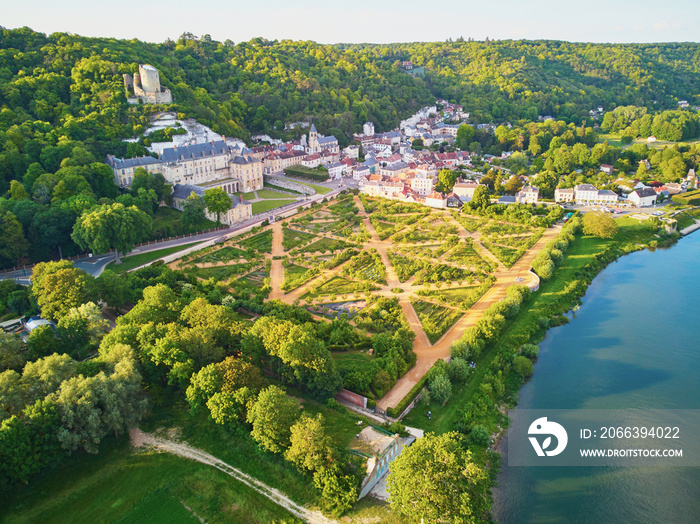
139	438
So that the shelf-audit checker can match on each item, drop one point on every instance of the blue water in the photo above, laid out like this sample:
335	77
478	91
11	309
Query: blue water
634	343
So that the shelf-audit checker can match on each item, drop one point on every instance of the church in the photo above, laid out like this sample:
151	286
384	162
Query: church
318	144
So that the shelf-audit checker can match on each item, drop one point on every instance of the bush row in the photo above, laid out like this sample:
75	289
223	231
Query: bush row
553	253
305	172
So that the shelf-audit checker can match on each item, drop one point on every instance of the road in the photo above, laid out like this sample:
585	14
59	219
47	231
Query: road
95	265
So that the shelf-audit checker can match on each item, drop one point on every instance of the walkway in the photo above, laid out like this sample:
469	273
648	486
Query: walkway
139	438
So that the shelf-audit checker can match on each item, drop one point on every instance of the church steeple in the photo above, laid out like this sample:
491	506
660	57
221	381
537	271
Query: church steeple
313	139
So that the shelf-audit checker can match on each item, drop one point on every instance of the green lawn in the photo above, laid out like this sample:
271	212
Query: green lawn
325	244
133	261
124	486
221	273
339	286
266	205
272	186
322	190
293	238
266	193
507	255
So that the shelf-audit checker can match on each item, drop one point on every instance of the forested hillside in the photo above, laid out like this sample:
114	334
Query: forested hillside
63	105
510	80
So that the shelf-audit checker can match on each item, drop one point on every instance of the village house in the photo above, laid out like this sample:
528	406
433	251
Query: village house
643	197
528	195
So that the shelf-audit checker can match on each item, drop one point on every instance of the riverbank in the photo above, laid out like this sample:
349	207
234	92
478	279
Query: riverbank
493	388
604	359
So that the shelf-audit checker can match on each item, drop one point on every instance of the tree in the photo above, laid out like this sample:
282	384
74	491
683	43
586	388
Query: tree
111	226
513	185
58	287
480	199
13	244
440	387
12	355
310	448
193	211
449	486
446	180
272	417
217	201
599	224
17	191
465	135
338	490
523	366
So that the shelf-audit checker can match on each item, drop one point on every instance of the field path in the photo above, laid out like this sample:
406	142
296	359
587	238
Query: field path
276	268
139	438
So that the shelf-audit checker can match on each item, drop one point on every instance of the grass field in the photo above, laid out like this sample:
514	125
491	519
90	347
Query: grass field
247	196
507	255
123	486
266	205
221	273
460	296
267	194
293	238
143	258
325	244
339	286
321	190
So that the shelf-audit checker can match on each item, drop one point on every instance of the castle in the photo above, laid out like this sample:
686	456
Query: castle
146	87
208	165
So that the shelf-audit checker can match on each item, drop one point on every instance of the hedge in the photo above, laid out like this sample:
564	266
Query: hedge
395	412
691	198
305	172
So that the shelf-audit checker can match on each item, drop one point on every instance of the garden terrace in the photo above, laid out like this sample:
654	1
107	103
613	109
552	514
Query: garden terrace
366	266
293	238
261	242
436	320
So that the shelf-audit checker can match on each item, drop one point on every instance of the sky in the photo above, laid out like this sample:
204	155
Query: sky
359	21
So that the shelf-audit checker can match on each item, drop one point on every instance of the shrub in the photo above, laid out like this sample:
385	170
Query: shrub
440	387
530	351
523	366
458	369
479	436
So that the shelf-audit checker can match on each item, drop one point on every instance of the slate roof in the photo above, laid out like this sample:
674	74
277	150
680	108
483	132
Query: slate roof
327	139
125	163
646	192
183	191
207	149
506	200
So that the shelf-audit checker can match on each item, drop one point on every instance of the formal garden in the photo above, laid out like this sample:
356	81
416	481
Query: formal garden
369	263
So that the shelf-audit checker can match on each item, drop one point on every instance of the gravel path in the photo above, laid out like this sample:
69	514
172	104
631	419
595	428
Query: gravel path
139	438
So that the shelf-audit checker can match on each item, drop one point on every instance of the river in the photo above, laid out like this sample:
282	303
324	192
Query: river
633	343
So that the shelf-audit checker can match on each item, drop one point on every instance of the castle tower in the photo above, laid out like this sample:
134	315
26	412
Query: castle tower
150	81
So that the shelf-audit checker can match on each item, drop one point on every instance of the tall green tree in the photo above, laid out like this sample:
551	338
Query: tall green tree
13	243
111	226
58	287
272	417
435	480
217	201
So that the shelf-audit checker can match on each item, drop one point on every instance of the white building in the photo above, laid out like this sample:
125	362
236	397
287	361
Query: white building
528	195
368	129
643	197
